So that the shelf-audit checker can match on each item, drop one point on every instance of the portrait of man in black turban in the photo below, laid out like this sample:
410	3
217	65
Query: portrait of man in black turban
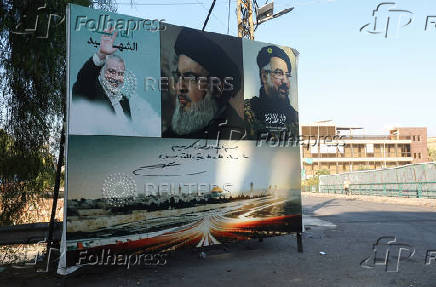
205	79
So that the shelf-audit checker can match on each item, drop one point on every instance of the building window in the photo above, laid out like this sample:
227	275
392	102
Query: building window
419	155
419	138
327	148
414	155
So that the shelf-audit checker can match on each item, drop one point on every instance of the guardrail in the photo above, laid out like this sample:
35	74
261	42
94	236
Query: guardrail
28	233
391	189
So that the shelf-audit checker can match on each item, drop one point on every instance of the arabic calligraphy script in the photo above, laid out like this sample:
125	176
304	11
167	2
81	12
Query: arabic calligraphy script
198	150
121	46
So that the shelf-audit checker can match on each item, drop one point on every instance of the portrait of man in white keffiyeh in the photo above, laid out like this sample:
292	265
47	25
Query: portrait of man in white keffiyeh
105	96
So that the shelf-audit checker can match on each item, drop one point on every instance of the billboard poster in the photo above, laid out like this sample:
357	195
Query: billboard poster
108	61
176	137
270	93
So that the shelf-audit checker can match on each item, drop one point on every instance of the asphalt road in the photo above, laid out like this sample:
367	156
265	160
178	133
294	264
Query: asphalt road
343	230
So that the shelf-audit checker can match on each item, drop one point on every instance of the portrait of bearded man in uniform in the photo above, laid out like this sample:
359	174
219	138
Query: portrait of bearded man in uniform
271	112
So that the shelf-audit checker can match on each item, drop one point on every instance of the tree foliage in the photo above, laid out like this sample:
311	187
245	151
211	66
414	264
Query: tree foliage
32	96
24	175
432	153
314	180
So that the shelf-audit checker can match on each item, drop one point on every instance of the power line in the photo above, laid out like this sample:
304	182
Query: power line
213	14
153	4
208	15
166	4
228	19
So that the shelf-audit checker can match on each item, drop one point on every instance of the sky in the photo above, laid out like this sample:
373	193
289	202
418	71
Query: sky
353	77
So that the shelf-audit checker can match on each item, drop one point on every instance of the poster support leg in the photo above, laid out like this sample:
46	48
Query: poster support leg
299	243
56	189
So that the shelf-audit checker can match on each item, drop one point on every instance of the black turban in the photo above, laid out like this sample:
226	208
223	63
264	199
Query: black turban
194	44
266	53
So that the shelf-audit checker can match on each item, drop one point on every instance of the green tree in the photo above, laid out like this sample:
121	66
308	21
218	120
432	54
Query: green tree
432	153
314	180
32	97
24	175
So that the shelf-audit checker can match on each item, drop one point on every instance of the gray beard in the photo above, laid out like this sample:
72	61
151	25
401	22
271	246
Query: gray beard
270	89
274	93
196	118
114	94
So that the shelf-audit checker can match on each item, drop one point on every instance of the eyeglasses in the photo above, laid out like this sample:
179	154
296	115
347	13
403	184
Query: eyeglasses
279	74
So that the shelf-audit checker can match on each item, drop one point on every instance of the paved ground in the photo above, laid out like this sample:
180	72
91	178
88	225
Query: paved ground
344	229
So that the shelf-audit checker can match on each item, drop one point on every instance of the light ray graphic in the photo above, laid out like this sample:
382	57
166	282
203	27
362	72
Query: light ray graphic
218	224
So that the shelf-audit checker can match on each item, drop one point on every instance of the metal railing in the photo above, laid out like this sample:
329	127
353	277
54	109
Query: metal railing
391	189
376	137
28	233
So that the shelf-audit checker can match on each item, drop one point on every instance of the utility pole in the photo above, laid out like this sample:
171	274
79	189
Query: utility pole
245	19
246	24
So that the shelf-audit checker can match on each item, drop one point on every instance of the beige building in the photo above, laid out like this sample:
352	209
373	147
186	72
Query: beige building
340	149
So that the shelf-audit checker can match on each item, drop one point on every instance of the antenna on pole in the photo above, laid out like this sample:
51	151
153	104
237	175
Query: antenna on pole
246	25
245	19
